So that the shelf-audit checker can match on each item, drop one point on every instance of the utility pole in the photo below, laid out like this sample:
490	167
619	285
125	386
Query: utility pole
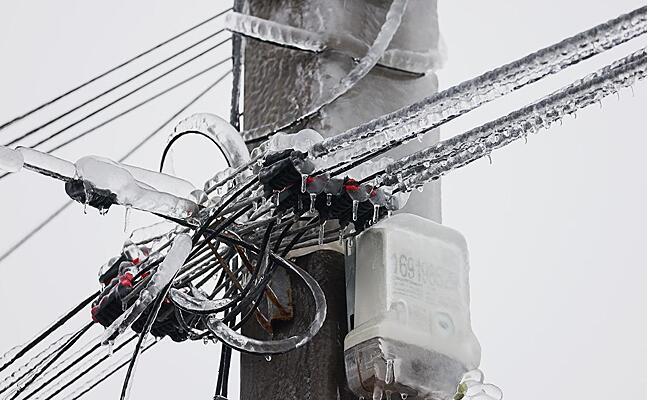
282	83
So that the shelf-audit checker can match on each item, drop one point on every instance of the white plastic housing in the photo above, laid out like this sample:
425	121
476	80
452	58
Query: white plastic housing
412	302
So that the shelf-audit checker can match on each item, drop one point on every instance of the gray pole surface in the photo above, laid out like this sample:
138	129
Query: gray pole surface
279	85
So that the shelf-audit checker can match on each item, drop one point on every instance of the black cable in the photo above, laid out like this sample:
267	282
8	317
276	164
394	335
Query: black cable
111	70
60	322
65	348
145	331
123	158
137	89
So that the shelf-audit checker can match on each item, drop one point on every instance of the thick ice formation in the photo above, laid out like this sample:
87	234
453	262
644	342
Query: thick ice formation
275	32
109	175
225	136
173	261
437	109
10	160
363	67
47	164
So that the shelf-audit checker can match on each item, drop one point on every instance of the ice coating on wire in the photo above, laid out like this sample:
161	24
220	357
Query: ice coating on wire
160	181
298	38
103	374
437	109
365	65
21	374
220	132
275	32
249	345
467	147
472	387
173	261
47	164
109	175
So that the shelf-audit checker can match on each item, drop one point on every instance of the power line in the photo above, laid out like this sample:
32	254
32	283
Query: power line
137	89
49	219
113	69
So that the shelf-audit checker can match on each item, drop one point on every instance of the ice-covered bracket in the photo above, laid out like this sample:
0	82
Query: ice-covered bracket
415	62
411	332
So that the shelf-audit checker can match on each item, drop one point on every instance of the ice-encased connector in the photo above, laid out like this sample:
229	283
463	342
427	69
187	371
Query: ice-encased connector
412	333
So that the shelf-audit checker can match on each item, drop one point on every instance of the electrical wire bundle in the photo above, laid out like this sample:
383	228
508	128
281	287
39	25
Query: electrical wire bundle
255	213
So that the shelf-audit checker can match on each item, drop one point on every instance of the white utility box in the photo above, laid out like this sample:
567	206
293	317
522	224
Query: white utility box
411	333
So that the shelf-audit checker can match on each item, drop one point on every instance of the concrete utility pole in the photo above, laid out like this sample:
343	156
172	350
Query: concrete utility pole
282	83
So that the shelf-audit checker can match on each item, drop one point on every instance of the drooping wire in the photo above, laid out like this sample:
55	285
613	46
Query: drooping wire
128	154
111	70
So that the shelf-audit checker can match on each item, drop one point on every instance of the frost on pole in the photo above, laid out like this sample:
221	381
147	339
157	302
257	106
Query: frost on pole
104	174
173	261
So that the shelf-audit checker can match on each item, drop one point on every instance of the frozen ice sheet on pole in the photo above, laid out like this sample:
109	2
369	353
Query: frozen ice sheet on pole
433	162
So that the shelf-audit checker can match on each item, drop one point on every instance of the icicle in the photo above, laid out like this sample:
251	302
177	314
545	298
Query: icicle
119	179
313	198
355	209
322	232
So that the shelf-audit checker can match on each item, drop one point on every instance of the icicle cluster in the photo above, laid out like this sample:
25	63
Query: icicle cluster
431	163
435	110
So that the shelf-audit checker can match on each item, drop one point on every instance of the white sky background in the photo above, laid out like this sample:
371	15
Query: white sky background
555	227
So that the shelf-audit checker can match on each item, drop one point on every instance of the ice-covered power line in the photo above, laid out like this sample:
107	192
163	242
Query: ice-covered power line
405	124
125	157
113	69
366	63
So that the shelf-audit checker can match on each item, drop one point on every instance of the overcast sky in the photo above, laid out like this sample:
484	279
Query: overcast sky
555	227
